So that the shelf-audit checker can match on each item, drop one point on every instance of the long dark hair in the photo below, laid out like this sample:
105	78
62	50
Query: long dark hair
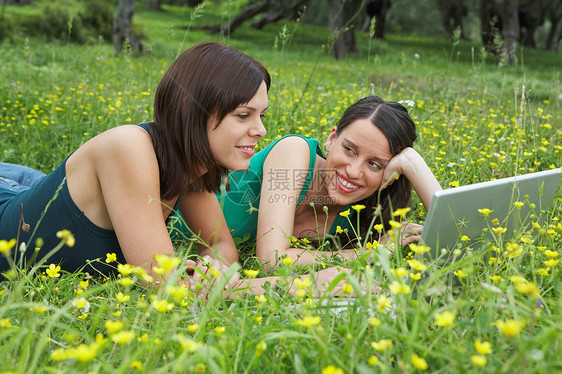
393	120
207	81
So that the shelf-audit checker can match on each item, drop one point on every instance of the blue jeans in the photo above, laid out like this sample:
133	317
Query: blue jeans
18	178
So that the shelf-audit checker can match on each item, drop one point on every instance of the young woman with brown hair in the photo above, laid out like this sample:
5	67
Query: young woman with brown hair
300	193
115	192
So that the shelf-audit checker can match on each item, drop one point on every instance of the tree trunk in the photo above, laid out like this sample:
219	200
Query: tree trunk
154	5
241	17
489	26
279	12
553	12
380	21
510	28
342	14
193	3
123	27
452	13
554	34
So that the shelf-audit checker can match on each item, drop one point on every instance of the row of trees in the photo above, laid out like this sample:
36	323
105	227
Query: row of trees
503	23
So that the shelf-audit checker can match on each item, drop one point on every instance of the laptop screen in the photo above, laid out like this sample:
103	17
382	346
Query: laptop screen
489	211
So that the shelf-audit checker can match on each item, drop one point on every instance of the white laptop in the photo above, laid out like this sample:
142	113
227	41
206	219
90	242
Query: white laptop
454	215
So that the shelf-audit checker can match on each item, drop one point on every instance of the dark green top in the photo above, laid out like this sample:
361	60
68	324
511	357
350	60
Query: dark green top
48	208
241	202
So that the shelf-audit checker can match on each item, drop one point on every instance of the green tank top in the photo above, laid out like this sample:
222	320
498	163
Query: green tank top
240	204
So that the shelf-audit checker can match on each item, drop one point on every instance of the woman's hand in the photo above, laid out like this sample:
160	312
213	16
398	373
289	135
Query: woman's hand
326	276
409	233
206	272
395	167
412	165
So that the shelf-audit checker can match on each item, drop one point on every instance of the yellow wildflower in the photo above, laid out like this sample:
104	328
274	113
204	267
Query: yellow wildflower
6	246
419	248
518	204
513	250
543	271
84	353
188	345
347	288
483	348
178	292
510	328
478	360
122	298
401	272
167	263
358	207
81	303
499	230
383	302
331	369
287	260
339	230
445	319
110	257
5	323
373	360
113	326
382	345
345	213
303	282
460	274
485	212
309	321
67	237
260	347
125	282
401	212
193	327
60	354
136	365
551	263
251	273
419	362
397	288
528	288
416	265
124	269
551	254
378	227
219	329
161	305
374	322
415	276
123	337
53	271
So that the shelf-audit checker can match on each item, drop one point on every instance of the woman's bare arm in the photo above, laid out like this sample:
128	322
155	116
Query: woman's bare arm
278	207
205	218
412	165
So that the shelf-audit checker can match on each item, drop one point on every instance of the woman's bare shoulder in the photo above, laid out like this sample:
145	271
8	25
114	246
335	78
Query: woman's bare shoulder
292	151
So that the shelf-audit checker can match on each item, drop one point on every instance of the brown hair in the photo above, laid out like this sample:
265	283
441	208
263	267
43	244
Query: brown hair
393	120
204	83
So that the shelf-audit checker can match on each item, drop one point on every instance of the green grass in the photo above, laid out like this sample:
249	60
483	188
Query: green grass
472	127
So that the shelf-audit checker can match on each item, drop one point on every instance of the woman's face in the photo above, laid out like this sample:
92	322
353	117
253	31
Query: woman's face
356	161
234	140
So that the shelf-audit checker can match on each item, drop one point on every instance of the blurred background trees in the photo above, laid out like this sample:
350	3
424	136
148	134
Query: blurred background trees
500	25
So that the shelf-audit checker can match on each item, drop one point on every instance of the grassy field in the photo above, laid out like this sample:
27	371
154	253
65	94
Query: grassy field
476	121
